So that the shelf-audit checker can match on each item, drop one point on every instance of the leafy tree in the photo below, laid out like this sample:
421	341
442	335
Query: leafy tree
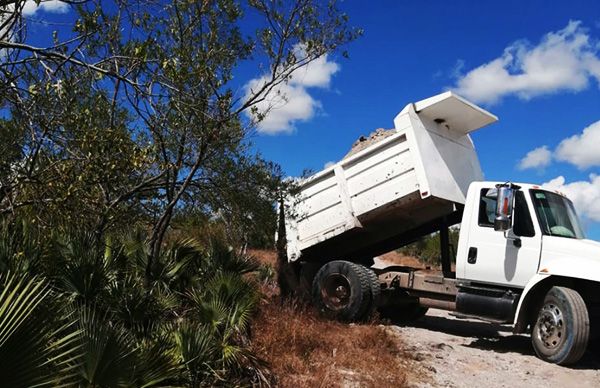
136	112
120	126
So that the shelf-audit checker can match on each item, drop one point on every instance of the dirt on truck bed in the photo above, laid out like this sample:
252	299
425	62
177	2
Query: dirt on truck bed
364	141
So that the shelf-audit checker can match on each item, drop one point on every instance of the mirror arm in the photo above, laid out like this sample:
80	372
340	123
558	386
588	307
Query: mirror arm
516	240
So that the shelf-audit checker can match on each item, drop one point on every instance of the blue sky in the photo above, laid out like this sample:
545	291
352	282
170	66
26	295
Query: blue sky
414	49
534	64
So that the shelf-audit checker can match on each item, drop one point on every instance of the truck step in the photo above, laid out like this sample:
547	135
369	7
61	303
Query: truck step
486	319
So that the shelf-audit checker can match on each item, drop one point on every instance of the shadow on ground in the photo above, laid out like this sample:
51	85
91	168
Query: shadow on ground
494	337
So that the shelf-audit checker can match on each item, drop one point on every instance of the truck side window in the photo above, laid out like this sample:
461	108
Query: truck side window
522	225
487	208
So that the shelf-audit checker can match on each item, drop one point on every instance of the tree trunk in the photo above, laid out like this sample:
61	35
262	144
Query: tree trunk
156	241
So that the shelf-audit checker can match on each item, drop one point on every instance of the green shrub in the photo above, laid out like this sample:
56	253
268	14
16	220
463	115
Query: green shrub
91	318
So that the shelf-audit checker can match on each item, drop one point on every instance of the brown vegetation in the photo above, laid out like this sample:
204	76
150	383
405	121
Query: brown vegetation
395	257
264	256
304	350
399	258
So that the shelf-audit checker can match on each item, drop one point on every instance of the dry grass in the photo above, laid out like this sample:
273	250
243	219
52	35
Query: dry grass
397	258
304	350
264	256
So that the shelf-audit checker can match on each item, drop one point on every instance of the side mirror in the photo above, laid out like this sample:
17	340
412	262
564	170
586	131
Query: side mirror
504	208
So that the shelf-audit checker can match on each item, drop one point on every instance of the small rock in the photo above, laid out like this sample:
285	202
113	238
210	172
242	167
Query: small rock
442	346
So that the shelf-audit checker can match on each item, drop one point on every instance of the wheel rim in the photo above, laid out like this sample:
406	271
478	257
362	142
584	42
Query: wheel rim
550	325
336	291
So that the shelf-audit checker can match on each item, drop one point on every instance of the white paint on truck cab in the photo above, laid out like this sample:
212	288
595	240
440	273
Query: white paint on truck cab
487	256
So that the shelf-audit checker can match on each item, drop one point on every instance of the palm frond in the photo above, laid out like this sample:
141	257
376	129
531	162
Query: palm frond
81	267
157	361
197	350
137	308
109	351
114	357
225	259
224	308
35	349
180	265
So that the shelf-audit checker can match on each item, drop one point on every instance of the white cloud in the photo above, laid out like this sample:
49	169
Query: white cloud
316	74
291	102
329	164
537	158
582	150
565	60
584	194
51	6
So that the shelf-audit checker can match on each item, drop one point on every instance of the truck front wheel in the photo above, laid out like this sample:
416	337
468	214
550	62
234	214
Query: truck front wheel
342	290
561	331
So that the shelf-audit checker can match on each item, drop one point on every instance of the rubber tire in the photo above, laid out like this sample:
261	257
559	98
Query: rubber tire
576	320
360	291
375	290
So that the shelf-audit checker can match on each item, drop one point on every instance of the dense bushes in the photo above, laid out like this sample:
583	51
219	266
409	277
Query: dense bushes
75	312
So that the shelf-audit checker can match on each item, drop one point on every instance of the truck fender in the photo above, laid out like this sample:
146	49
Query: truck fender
530	292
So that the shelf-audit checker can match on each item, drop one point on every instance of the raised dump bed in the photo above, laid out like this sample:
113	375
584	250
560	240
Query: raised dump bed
391	188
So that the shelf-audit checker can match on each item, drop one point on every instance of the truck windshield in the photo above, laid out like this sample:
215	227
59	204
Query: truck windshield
556	215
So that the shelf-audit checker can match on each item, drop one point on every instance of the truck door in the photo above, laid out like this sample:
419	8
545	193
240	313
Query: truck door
495	258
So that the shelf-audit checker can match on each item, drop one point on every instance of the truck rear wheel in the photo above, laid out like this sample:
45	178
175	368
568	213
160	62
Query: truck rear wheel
375	289
561	331
342	290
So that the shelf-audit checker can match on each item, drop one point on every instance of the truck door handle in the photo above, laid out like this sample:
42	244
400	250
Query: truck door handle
472	258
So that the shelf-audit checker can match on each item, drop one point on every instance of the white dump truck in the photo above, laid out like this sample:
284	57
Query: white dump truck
522	257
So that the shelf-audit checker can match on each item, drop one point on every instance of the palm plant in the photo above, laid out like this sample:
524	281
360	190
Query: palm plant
180	265
81	269
225	259
112	357
188	326
223	309
196	350
140	309
37	348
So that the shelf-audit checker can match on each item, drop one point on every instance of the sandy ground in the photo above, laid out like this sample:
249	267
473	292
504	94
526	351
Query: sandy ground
469	353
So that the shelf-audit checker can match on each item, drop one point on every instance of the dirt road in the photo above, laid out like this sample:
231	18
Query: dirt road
466	353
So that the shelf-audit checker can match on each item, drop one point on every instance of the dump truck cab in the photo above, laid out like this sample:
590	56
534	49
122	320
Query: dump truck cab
540	222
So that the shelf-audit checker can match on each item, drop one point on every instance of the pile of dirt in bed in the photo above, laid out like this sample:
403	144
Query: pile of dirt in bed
365	141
